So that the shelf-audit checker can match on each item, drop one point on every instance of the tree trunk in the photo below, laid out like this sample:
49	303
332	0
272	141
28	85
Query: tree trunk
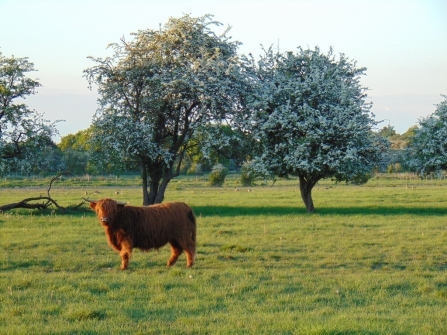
153	191
157	186
149	197
306	193
161	191
167	177
144	180
151	176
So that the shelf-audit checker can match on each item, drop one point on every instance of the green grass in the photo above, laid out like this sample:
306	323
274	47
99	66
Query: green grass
232	180
372	260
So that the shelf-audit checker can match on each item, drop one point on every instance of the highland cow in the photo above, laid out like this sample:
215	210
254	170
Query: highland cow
146	228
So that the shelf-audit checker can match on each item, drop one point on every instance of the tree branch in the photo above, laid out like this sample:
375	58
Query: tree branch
47	201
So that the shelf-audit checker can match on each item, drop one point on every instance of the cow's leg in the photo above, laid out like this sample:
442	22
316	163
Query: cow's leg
190	251
125	253
189	258
176	250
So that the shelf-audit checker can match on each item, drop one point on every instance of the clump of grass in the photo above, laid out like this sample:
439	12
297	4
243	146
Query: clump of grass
86	314
232	247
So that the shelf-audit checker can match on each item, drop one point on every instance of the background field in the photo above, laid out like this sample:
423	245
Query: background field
372	260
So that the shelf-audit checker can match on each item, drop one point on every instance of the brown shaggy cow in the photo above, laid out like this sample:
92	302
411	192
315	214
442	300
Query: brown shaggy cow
145	228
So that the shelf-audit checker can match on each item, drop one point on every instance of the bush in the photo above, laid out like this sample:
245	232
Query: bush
362	179
218	174
248	174
390	168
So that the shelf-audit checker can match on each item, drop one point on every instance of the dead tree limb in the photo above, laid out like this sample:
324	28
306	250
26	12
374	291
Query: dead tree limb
25	203
42	202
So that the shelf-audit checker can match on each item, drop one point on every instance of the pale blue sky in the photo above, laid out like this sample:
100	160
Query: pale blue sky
403	44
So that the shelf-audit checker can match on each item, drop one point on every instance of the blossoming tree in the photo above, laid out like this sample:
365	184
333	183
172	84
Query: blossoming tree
158	89
311	118
427	153
23	131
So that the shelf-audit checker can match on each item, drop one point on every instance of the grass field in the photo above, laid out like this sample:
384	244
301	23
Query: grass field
372	260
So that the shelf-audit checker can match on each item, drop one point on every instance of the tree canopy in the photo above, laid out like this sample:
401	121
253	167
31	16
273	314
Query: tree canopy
158	89
77	152
397	141
311	118
23	132
427	152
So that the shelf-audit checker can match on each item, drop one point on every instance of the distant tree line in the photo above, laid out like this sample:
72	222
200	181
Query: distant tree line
396	159
75	154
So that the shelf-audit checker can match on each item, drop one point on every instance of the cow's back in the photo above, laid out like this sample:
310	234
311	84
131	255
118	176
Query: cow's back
154	226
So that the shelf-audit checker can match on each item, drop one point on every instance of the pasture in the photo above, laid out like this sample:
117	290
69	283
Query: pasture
372	260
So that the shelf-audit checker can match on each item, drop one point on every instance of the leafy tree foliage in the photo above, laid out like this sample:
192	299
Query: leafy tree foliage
396	159
387	131
48	160
428	148
311	118
398	141
23	132
160	88
77	152
232	148
408	136
77	141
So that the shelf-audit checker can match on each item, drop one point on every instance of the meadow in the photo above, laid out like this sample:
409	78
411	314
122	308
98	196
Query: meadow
371	260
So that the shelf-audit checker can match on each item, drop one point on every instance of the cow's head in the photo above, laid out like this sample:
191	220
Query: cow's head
106	209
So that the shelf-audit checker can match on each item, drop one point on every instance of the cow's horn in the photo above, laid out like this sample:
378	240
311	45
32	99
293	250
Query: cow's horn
90	200
95	201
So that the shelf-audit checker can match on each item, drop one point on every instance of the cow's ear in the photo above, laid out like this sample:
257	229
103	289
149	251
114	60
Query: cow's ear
93	205
121	206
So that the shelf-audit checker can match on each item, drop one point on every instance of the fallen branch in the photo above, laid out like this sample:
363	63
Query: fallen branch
44	202
25	204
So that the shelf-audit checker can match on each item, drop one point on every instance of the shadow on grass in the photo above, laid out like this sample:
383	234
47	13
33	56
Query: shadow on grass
232	211
280	211
26	264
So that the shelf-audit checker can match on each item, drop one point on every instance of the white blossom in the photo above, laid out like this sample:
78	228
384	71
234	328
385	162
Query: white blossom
427	152
311	117
23	131
160	88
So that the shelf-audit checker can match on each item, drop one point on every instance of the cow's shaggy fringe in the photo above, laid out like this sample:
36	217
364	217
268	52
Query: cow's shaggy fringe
146	228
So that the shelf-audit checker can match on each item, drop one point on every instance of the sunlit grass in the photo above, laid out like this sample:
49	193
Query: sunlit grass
372	260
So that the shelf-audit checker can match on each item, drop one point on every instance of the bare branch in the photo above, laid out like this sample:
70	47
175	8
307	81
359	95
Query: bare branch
42	201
